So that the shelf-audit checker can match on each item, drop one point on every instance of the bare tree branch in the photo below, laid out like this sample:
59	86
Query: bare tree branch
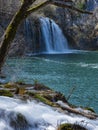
35	8
57	3
60	4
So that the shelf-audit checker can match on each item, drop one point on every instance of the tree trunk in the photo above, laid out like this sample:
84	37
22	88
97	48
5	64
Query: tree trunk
10	33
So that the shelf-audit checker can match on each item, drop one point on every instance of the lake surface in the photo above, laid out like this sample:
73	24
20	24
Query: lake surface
61	72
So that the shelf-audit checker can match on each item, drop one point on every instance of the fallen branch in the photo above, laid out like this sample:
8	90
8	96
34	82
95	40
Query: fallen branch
67	108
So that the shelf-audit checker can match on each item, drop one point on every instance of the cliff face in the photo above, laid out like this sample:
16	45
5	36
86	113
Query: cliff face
81	29
7	9
9	6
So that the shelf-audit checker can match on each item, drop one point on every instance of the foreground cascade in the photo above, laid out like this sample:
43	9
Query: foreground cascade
37	107
45	36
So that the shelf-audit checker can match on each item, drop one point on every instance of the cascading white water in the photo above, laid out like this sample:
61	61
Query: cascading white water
52	37
17	115
45	36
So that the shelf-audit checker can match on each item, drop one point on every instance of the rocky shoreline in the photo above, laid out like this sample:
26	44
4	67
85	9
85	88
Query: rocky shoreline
42	93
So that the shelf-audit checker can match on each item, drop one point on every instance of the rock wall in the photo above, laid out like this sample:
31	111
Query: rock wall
81	29
9	6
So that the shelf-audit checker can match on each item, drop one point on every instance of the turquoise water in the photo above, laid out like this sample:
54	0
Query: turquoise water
61	73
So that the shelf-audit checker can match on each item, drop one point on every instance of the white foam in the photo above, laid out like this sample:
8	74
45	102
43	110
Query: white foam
45	116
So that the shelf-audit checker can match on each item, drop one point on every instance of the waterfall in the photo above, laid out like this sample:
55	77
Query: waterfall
45	36
31	115
52	37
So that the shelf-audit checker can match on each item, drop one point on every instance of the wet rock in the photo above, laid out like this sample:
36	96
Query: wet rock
18	121
69	126
5	93
59	96
38	86
41	94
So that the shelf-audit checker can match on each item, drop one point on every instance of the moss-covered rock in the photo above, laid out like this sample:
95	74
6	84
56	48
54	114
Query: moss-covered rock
90	109
68	126
10	85
41	93
41	98
6	93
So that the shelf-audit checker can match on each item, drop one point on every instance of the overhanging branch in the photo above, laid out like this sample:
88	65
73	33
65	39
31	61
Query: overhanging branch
35	8
57	3
71	7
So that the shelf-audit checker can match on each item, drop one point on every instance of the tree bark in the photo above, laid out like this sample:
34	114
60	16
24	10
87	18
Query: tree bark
11	31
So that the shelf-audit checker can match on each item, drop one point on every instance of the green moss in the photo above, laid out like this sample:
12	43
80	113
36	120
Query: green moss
65	127
6	93
69	126
44	100
10	85
90	109
49	97
41	98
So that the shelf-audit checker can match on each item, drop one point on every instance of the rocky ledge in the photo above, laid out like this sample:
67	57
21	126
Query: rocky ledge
42	93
